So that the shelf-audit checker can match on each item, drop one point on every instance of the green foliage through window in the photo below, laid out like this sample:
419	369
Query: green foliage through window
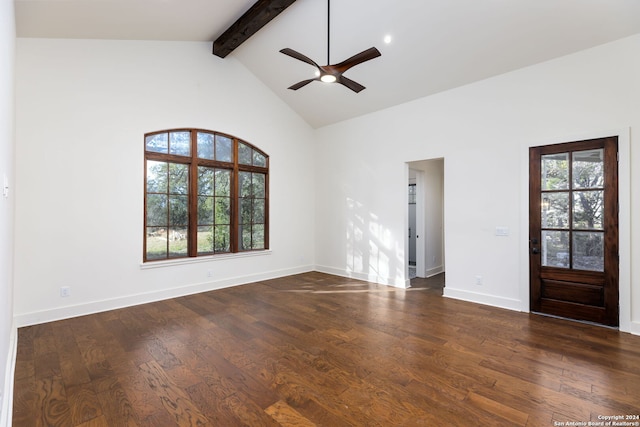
191	205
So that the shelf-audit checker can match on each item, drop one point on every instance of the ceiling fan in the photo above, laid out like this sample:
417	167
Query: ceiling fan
333	73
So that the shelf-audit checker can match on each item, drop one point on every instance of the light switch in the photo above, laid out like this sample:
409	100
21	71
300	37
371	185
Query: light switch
502	231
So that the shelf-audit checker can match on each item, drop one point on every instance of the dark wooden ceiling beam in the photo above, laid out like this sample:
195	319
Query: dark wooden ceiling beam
253	19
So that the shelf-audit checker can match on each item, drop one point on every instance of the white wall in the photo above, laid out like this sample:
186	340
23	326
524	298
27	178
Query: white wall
81	111
7	332
483	132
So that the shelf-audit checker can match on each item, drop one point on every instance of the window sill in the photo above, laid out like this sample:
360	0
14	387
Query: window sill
196	260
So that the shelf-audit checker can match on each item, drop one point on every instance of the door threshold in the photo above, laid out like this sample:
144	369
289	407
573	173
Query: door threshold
584	322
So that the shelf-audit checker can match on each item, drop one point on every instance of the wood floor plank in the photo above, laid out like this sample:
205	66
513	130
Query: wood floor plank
174	399
315	349
286	415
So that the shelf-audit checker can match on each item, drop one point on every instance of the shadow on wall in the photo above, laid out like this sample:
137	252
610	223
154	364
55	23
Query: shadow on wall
370	251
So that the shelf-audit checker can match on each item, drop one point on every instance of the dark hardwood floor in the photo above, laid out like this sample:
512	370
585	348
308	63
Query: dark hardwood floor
315	349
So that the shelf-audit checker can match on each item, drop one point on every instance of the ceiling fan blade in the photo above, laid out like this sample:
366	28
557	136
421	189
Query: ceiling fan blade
300	84
354	86
297	55
358	58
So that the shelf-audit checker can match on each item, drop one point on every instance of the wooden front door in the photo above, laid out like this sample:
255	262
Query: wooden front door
573	230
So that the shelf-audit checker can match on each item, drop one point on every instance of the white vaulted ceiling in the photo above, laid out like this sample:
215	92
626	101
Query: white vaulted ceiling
436	44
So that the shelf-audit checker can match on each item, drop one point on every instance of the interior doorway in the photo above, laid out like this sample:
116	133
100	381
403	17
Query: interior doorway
425	219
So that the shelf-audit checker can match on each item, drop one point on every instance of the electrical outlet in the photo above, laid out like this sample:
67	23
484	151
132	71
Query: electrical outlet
209	273
65	291
479	280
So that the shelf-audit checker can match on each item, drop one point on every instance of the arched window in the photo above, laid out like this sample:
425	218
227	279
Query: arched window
206	193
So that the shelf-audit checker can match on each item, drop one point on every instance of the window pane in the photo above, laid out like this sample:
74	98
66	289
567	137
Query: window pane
244	232
156	243
555	210
177	242
222	238
258	237
157	210
259	159
178	210
157	177
158	143
244	183
258	185
224	153
588	251
223	210
205	210
588	169
205	145
205	181
205	240
555	171
244	154
180	143
223	182
245	211
258	211
588	207
178	178
555	248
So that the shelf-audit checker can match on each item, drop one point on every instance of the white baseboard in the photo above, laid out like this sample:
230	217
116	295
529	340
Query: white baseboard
434	271
492	300
381	280
52	315
634	328
6	405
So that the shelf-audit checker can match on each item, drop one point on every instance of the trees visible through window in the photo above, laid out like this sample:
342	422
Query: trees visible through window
205	193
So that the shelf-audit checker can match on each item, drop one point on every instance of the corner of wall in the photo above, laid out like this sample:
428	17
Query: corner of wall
6	402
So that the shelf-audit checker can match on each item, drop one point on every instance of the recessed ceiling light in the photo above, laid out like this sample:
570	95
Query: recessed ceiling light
387	39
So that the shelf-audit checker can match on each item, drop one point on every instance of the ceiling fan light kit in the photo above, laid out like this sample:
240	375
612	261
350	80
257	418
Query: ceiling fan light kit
333	73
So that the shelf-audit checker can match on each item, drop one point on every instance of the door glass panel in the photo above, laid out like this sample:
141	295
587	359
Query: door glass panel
555	210
555	248
555	171
588	169
588	251
588	209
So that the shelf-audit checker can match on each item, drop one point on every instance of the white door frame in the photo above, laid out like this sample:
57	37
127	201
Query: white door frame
421	238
